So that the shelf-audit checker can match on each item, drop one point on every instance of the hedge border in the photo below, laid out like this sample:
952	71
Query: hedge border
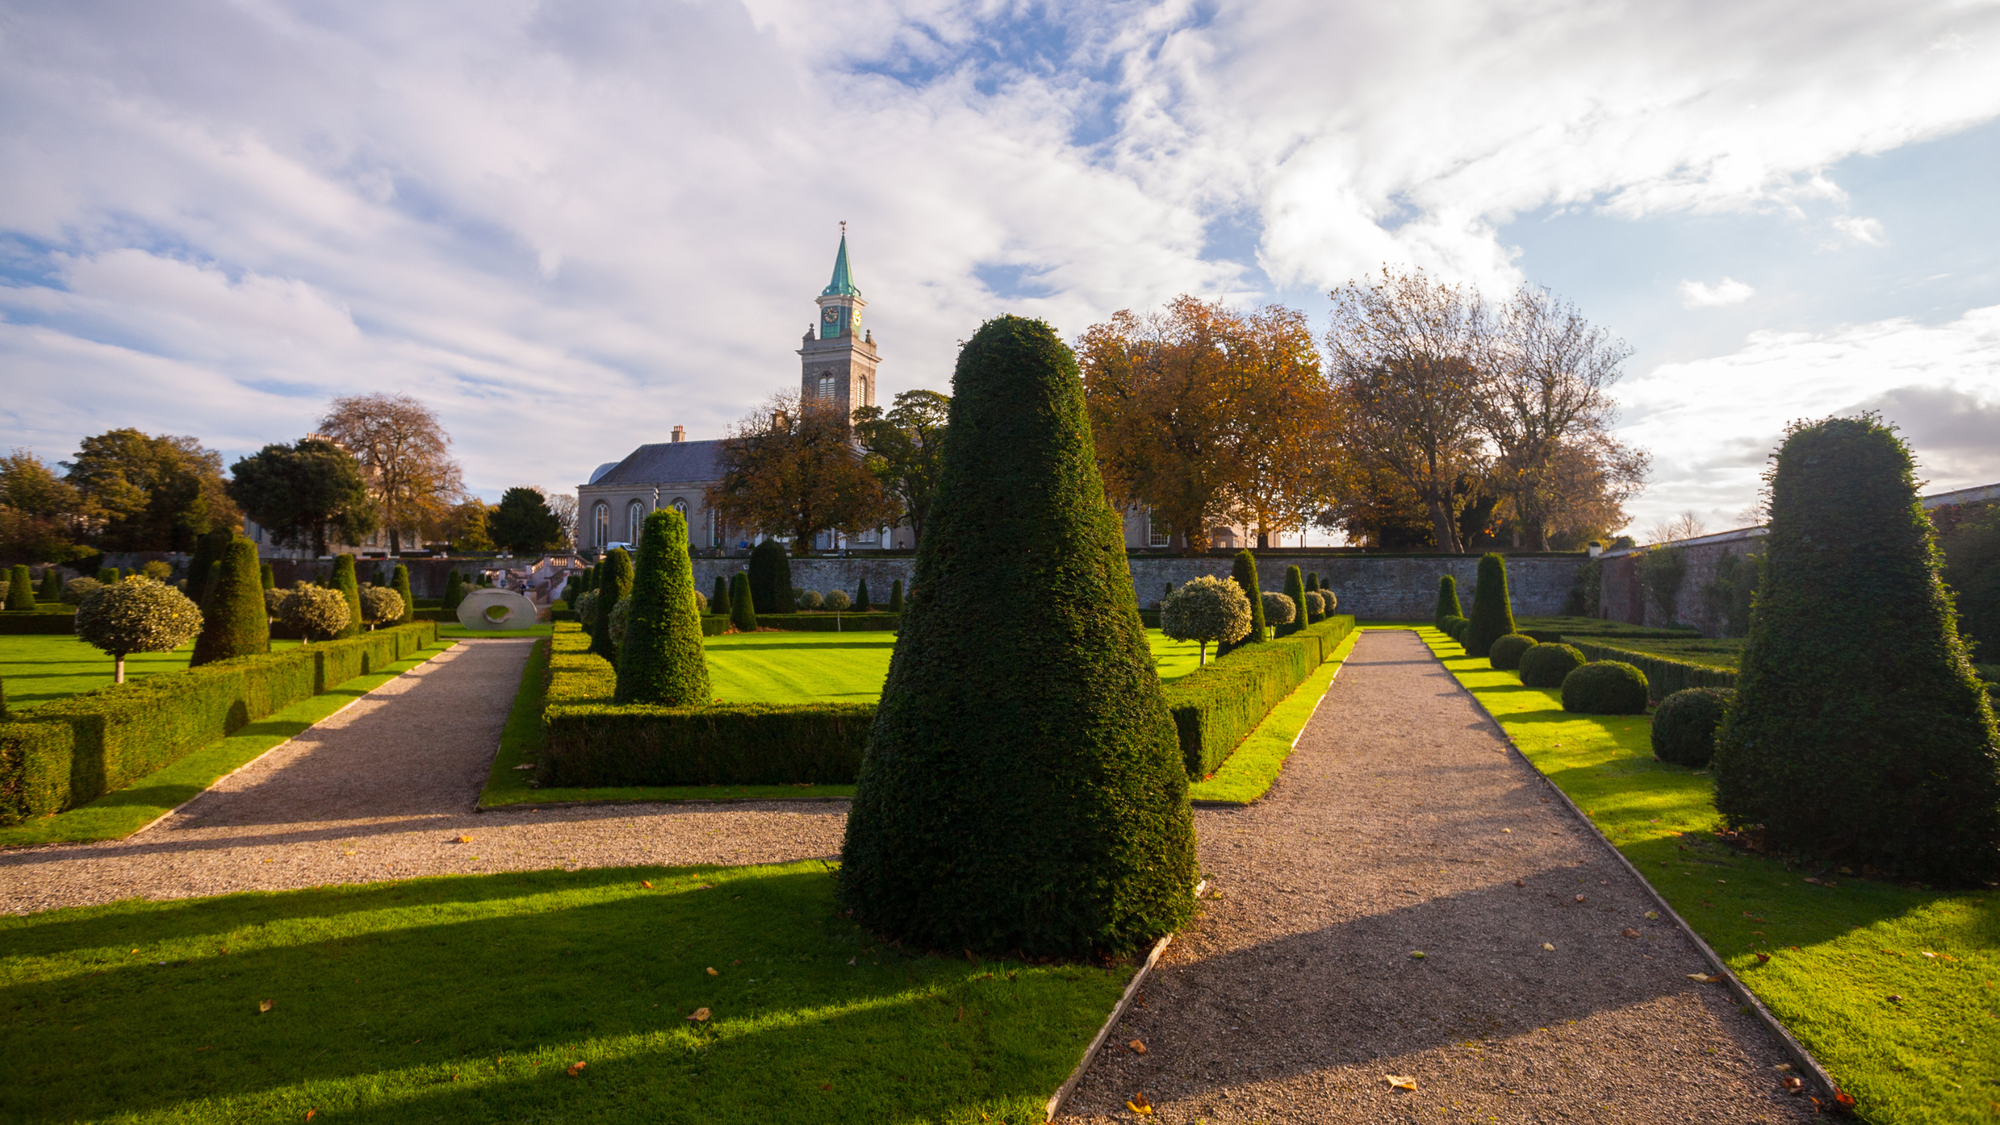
1216	707
38	622
1663	676
69	752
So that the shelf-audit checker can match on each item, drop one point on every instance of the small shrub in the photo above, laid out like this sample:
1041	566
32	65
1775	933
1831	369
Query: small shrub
1243	571
809	600
1605	687
1447	603
235	621
1279	609
1684	726
159	570
837	601
21	588
586	609
1453	627
700	602
77	589
614	584
381	605
1545	666
400	582
1492	608
454	590
136	616
1295	589
660	658
619	621
771	578
274	602
896	596
719	597
861	602
108	576
267	575
52	584
1505	654
742	604
315	611
344	581
1206	609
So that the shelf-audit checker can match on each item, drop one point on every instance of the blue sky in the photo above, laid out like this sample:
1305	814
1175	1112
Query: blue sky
572	224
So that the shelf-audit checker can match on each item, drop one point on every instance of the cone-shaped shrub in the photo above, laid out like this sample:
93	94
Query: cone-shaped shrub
21	588
233	620
454	590
742	607
1492	611
1684	726
400	583
51	586
108	576
1244	570
771	578
896	596
1605	687
1447	603
660	659
208	552
1506	652
614	584
861	598
1295	589
1023	787
343	580
266	576
1859	732
718	600
1545	666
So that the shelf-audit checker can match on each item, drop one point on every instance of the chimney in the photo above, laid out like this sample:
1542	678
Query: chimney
680	433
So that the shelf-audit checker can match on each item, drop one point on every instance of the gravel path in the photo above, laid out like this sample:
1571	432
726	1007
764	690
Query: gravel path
1403	823
384	790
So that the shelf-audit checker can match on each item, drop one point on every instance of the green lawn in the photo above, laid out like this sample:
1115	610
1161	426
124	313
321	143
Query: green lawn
1837	952
1672	644
471	999
40	669
1253	767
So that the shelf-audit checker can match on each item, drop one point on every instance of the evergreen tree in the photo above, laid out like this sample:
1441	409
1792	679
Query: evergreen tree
343	580
208	551
771	578
1295	589
1859	733
1492	609
861	598
401	584
21	587
234	620
660	660
896	596
1447	603
267	576
614	585
1243	571
454	590
51	586
718	601
742	605
1023	787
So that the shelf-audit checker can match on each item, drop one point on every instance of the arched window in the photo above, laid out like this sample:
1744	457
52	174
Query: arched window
600	518
826	385
681	506
635	521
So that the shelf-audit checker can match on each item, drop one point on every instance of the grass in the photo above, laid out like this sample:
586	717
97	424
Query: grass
1250	771
455	631
118	814
40	669
1671	644
470	999
1836	952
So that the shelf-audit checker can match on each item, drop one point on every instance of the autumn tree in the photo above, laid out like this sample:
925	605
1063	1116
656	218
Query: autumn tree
1283	417
146	493
405	458
465	526
303	494
40	513
792	468
905	448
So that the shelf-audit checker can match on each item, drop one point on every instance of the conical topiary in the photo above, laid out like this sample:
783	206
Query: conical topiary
1295	589
718	601
1447	603
108	576
771	578
614	583
896	596
1492	609
343	580
861	598
1243	570
660	660
208	551
742	607
400	583
1022	788
51	586
454	590
21	588
1859	733
234	621
267	576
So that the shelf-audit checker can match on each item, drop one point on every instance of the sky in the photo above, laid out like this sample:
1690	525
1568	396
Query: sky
570	225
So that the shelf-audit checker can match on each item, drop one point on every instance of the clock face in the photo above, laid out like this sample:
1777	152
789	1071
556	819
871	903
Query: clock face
831	314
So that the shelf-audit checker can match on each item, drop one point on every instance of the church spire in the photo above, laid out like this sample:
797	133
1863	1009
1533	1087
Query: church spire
842	284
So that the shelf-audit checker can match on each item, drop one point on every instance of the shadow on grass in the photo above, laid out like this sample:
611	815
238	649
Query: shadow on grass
466	998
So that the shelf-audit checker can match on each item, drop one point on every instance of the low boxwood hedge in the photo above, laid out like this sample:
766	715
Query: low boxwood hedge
72	751
1663	676
826	621
1685	724
1505	653
1605	687
1546	664
1217	707
38	622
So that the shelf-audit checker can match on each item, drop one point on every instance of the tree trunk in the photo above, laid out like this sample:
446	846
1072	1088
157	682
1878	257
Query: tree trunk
118	667
1445	529
395	542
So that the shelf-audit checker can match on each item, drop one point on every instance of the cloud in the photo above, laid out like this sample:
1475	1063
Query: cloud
1728	291
1861	230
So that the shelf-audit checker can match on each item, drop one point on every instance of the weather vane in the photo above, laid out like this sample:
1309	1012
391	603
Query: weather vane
843	228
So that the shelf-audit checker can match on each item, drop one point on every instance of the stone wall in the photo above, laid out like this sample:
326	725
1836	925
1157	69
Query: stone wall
1622	591
1396	588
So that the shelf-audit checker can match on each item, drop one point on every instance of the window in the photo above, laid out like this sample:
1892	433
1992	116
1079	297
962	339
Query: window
635	521
826	385
1156	532
681	506
600	518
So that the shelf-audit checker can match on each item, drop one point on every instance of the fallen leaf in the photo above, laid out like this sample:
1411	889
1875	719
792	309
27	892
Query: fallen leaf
700	1015
1895	999
1546	947
1138	1048
1763	958
1793	1086
712	972
1400	1082
525	766
311	1113
465	839
574	1068
1139	1105
1579	898
1630	932
1417	954
1652	915
1520	882
264	1005
1705	978
1843	1099
645	884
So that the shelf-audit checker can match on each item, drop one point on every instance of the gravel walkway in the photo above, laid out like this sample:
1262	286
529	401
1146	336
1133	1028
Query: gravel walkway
384	790
1403	823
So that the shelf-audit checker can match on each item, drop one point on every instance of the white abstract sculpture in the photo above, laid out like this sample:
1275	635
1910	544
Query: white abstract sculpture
496	609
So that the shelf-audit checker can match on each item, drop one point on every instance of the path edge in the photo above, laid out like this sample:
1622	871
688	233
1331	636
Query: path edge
1746	999
1068	1087
1310	716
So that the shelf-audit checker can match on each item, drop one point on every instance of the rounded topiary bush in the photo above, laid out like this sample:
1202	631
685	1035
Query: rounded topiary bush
1545	666
1279	609
586	609
1453	627
1206	609
315	611
1505	654
381	605
136	615
836	600
77	589
1605	687
621	617
810	600
1684	726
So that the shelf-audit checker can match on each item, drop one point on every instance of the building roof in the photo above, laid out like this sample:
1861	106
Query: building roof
598	473
667	461
842	284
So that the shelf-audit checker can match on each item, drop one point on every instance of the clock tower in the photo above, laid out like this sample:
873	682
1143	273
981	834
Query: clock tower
838	355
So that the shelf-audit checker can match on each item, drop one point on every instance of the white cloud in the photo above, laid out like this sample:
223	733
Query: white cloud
1861	230
1700	295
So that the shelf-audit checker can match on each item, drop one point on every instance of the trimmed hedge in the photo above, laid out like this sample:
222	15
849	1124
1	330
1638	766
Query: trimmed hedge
1218	706
71	751
1492	614
1605	687
1684	727
1663	676
38	622
1505	653
823	621
1545	665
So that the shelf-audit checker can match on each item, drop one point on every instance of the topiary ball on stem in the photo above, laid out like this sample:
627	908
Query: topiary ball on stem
1279	609
136	615
1545	666
234	620
809	600
1492	608
1208	609
315	611
1022	789
1605	687
1506	652
1859	733
836	600
660	658
1684	726
381	605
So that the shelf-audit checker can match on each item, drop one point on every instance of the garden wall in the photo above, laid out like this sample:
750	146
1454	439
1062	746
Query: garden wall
1622	596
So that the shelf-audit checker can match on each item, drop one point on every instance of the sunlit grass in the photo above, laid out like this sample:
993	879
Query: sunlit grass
39	669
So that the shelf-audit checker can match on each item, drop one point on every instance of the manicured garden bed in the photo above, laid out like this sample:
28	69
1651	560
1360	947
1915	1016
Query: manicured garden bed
473	998
1249	772
41	669
1838	949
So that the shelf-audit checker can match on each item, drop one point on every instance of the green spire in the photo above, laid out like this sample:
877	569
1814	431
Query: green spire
842	284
